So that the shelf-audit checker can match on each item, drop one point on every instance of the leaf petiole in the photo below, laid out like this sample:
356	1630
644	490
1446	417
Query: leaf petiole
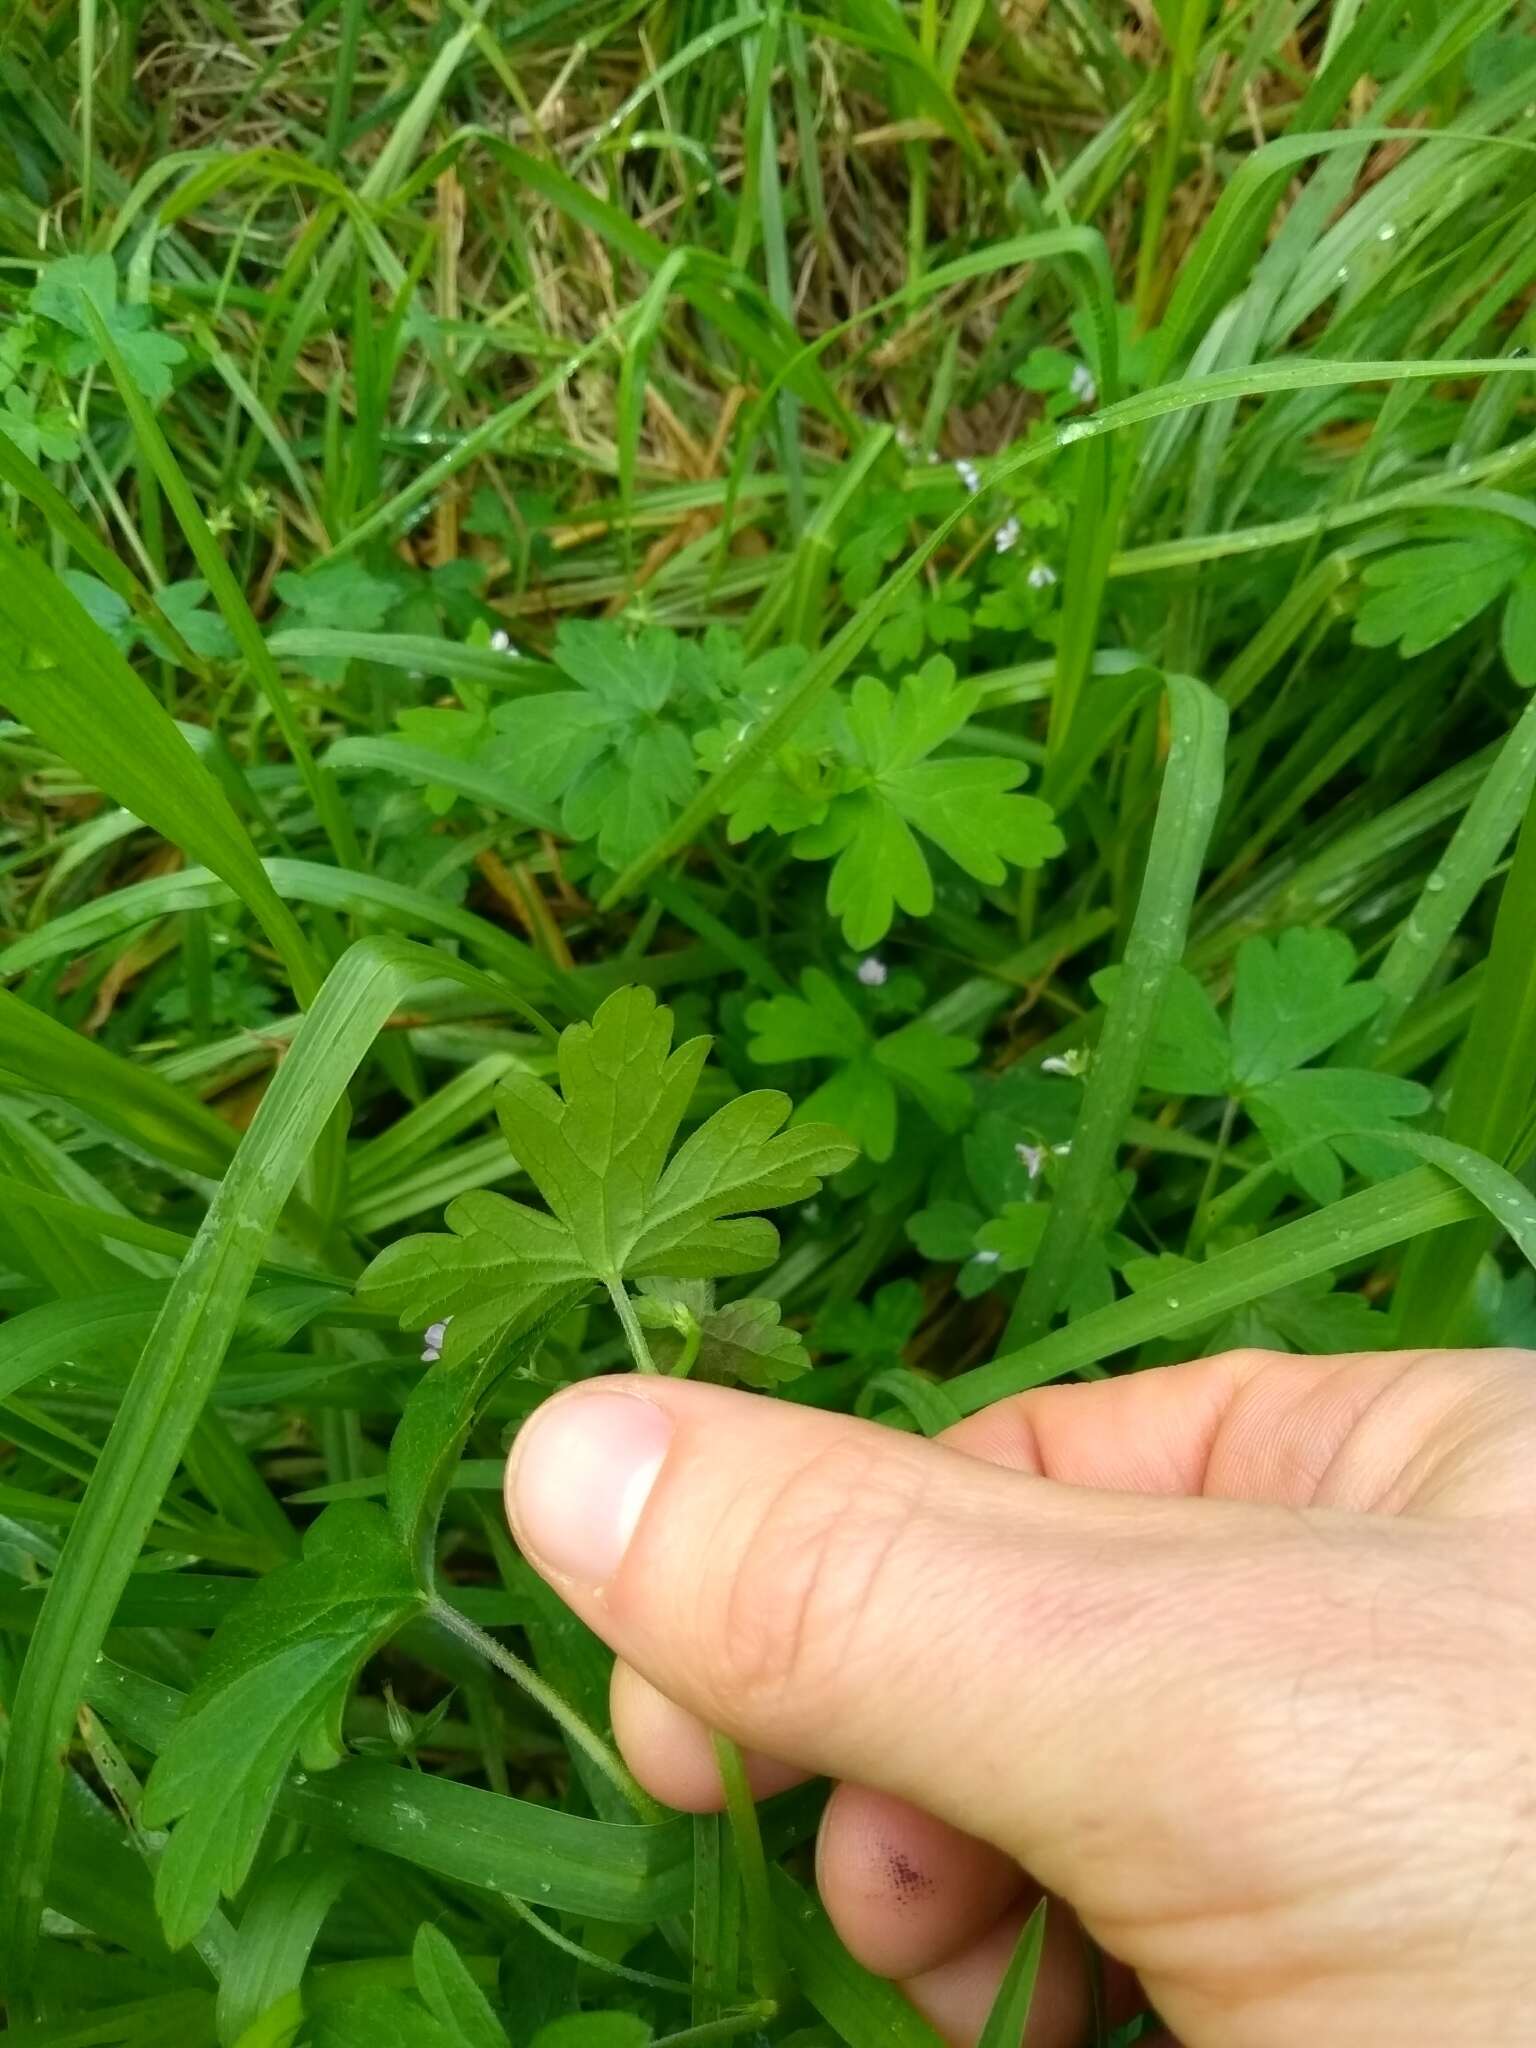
559	1710
640	1351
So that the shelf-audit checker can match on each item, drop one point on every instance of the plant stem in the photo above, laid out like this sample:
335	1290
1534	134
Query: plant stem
590	1957
723	2029
624	1308
1200	1225
1181	81
565	1716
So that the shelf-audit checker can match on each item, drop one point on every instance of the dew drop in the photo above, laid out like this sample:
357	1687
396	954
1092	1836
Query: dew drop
1173	1301
1386	231
1435	884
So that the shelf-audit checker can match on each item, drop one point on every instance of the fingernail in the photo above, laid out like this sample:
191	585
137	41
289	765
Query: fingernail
580	1475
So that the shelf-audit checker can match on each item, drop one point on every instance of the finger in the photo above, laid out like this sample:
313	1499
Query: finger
1389	1432
956	1996
906	1892
828	1591
670	1752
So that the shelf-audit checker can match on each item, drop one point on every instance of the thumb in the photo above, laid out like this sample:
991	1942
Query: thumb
1019	1657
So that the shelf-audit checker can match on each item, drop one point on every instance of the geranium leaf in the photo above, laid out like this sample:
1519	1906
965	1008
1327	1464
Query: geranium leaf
1311	1119
1293	999
966	806
281	1662
821	1023
597	1152
1422	595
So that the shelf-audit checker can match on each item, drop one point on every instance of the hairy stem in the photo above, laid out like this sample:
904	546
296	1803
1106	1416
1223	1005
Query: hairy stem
640	1351
565	1716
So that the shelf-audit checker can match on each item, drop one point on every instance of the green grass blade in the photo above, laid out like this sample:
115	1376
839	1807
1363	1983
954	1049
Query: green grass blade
760	1920
1348	1231
858	2007
1186	813
230	599
1009	2016
277	1931
300	881
75	690
1492	818
1491	1099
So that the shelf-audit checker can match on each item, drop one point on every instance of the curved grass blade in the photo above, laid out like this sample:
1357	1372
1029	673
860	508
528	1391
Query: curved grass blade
427	770
302	881
71	686
277	1931
857	2006
231	601
1508	1201
24	477
1009	2016
1186	812
1341	1235
137	1105
1492	1096
1459	876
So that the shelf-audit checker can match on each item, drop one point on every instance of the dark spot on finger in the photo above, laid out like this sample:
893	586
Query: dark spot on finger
906	1880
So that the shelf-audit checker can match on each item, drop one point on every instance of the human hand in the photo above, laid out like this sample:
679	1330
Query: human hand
1235	1658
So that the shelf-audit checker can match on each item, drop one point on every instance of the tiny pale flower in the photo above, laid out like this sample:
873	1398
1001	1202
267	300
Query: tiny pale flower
1007	536
872	971
432	1341
1082	387
1041	577
1031	1158
501	642
968	474
1072	1064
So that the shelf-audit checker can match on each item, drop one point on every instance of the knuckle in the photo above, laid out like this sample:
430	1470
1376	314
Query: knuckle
1245	1362
793	1596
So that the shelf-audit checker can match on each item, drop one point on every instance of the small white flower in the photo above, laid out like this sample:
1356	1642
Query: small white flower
432	1341
1031	1158
1041	577
1007	536
1072	1063
501	642
872	971
1082	387
985	1258
969	475
905	438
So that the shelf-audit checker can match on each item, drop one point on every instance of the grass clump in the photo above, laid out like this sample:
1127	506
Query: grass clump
977	557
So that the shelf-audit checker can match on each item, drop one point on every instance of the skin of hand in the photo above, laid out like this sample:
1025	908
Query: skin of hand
1237	1660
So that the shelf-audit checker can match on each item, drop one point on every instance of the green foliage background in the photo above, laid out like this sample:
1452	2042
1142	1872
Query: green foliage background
979	557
